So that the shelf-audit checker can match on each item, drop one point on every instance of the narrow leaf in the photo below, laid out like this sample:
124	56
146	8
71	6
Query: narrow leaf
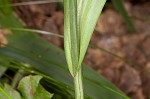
90	14
119	6
4	93
29	3
36	31
79	23
71	37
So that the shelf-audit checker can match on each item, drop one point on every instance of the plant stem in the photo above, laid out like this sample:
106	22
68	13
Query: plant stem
79	94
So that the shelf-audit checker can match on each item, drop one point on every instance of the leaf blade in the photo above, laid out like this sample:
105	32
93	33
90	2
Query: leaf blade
88	22
120	7
71	35
31	89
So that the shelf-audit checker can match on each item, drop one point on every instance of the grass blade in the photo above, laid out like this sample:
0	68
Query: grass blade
119	6
71	37
29	3
79	23
34	30
5	93
90	13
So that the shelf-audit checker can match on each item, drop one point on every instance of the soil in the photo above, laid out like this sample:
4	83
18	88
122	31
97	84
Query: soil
119	55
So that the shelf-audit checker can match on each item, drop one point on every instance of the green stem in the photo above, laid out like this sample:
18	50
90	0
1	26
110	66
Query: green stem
79	94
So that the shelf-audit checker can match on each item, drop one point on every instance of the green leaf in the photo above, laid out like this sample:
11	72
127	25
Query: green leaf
31	89
5	10
30	3
42	93
50	61
10	91
119	6
34	31
89	16
79	23
71	37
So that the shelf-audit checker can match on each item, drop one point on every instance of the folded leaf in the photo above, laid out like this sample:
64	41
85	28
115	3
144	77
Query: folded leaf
31	89
79	23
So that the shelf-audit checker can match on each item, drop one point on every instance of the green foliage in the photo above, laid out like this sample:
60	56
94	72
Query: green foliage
79	23
31	89
50	62
4	8
119	6
35	31
29	52
4	94
13	93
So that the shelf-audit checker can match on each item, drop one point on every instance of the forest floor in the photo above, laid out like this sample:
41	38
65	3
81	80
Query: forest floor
122	57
